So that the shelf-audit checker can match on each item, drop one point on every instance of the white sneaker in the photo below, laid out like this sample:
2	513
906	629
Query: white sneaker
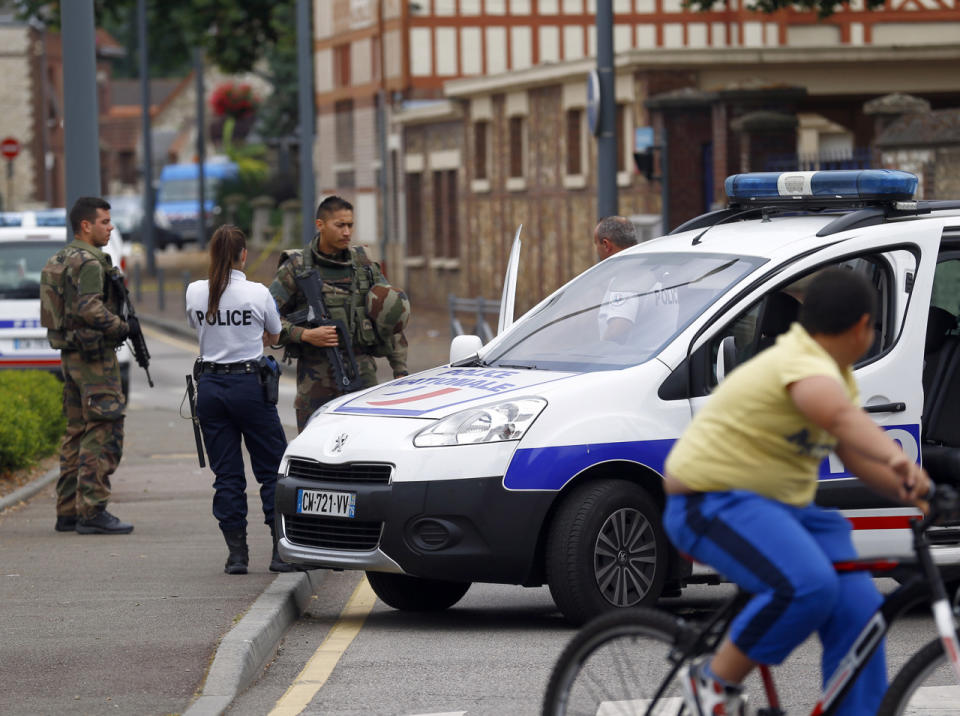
705	696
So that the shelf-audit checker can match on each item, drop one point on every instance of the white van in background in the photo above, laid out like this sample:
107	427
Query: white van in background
27	240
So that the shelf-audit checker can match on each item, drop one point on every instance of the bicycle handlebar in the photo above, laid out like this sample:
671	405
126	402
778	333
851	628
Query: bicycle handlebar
944	507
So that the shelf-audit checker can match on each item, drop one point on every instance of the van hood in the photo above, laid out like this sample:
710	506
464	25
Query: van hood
445	390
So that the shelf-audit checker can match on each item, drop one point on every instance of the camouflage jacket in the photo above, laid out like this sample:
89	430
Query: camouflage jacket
90	306
347	279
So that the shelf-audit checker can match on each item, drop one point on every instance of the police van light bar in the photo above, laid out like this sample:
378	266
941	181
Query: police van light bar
823	187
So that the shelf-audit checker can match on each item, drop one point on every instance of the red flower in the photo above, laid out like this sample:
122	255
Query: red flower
234	100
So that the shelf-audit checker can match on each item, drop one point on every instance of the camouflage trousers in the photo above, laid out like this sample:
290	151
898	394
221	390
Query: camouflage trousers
93	404
316	386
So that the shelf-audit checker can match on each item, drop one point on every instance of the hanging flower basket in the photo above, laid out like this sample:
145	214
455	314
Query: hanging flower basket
234	100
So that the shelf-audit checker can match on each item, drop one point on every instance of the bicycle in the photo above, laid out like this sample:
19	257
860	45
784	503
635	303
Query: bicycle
626	662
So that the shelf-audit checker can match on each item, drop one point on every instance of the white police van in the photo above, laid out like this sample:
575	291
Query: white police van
27	240
538	458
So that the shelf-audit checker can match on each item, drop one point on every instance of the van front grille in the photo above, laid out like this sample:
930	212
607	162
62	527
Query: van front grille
332	533
365	472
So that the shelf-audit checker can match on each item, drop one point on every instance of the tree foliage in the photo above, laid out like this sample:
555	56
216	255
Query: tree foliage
823	8
234	35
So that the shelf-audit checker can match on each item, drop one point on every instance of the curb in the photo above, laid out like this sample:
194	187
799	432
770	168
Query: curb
30	489
247	648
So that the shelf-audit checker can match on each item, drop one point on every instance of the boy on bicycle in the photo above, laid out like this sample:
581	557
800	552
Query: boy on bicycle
741	482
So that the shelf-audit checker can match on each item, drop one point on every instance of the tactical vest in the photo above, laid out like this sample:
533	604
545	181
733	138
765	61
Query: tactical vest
347	306
58	295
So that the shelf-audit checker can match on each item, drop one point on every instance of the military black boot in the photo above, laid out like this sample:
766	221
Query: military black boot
276	563
239	556
102	523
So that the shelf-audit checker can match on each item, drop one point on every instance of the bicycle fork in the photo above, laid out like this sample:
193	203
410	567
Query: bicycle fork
940	602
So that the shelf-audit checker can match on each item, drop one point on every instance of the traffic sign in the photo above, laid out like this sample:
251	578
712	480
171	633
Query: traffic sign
9	147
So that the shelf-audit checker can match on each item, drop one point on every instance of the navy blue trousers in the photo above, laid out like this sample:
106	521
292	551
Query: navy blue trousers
231	407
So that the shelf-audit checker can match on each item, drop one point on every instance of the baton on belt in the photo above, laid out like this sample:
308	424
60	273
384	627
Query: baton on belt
192	399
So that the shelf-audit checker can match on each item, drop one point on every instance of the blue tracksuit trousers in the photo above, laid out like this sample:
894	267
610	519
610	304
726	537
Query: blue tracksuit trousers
784	556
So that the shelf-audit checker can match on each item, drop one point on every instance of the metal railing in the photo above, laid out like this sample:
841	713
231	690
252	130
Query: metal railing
478	308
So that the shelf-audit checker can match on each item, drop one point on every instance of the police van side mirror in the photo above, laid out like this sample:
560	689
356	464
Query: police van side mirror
726	357
462	347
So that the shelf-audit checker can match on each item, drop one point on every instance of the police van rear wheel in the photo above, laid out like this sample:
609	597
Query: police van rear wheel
606	550
413	594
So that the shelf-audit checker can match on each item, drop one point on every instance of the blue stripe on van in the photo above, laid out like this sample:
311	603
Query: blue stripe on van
550	468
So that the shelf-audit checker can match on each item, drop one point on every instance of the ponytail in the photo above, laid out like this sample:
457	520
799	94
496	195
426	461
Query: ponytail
226	247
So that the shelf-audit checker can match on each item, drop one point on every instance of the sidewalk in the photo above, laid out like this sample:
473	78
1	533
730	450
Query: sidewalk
128	624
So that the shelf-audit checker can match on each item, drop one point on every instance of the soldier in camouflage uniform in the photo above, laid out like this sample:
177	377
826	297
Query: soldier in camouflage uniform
79	308
356	293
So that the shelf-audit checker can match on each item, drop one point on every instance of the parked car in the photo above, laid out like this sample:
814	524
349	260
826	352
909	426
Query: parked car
538	458
126	212
179	195
25	246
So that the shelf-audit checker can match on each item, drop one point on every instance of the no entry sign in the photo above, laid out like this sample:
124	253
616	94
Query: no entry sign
9	147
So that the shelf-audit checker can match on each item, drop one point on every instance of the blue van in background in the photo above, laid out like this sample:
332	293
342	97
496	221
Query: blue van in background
179	190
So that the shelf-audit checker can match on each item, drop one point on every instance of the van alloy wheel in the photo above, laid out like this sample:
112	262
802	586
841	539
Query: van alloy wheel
625	557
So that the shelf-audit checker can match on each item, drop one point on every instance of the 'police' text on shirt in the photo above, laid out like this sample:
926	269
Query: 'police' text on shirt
228	318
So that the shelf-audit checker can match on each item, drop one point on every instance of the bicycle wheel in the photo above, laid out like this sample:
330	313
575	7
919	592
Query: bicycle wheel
925	685
615	666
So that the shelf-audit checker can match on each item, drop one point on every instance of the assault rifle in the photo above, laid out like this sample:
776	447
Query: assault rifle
137	342
345	371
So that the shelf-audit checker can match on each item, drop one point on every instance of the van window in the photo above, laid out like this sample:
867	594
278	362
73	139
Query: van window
188	189
20	265
758	327
620	313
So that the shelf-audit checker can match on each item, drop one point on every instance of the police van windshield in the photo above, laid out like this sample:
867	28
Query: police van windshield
20	265
621	313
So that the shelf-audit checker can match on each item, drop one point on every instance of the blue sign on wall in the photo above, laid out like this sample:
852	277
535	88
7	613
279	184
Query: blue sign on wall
643	139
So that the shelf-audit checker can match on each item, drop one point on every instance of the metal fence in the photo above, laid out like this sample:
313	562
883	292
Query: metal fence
857	158
478	309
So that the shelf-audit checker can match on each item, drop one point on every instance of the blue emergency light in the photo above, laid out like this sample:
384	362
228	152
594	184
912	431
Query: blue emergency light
858	186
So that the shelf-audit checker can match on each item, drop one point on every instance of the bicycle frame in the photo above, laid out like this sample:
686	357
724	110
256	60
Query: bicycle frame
925	584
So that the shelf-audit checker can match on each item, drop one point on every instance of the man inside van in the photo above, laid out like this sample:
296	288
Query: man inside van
741	481
613	234
80	309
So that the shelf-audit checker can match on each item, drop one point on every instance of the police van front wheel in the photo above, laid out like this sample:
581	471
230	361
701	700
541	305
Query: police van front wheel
606	549
413	594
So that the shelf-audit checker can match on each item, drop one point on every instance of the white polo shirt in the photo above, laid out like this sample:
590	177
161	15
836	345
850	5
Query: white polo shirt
236	333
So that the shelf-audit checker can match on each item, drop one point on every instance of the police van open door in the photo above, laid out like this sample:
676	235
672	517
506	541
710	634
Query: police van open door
899	260
509	296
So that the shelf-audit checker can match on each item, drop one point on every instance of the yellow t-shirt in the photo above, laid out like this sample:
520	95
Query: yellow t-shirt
750	435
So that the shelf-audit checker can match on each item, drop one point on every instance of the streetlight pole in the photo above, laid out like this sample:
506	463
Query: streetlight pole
146	224
607	139
305	116
201	150
80	107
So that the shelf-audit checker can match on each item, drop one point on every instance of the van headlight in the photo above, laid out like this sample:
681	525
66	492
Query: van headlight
498	422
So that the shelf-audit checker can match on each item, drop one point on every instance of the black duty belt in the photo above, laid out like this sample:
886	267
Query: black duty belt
246	366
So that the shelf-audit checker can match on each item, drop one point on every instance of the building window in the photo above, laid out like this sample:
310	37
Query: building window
446	242
341	65
620	134
344	130
414	214
480	133
574	142
516	147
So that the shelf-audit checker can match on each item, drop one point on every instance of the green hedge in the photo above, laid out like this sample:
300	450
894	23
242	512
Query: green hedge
31	417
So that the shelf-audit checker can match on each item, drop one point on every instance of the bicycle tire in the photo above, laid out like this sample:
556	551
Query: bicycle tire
614	666
919	686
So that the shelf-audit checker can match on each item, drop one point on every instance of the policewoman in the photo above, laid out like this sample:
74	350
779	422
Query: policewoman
236	389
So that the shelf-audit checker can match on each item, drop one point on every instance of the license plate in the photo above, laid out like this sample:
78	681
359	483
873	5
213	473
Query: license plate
30	344
326	502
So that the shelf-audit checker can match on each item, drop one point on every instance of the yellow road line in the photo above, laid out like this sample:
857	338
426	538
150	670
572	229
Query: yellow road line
325	658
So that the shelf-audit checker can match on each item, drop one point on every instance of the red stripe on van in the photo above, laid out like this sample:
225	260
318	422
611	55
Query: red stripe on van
897	522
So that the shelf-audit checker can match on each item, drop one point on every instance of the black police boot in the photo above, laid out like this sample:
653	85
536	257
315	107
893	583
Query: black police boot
103	523
239	556
66	523
276	563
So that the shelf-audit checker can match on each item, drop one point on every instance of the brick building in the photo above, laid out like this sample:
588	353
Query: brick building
485	104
